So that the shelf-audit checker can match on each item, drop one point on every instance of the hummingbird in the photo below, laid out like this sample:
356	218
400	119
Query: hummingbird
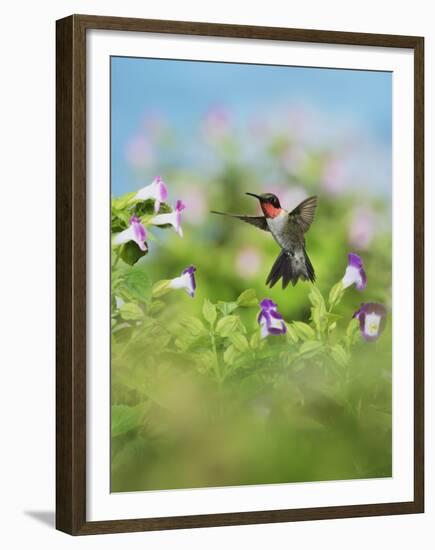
288	229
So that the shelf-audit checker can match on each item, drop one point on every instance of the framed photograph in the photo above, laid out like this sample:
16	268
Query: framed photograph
239	274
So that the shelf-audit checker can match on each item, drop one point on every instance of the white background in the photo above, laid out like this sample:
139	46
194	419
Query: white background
103	505
27	100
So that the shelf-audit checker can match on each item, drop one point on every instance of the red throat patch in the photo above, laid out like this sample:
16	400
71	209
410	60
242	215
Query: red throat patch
269	210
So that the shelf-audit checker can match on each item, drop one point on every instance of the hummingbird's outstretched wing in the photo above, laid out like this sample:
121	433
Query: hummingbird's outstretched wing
258	221
303	214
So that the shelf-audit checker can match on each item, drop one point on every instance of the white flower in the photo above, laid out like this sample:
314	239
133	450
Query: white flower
157	190
135	232
119	302
371	317
173	218
355	273
185	281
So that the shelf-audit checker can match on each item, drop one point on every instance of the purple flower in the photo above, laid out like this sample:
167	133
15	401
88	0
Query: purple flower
173	218
355	273
135	232
270	321
186	281
372	318
157	190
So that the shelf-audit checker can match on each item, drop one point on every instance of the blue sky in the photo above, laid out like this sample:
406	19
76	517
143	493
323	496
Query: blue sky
183	91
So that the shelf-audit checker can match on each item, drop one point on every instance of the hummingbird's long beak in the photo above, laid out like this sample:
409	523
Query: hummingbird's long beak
254	195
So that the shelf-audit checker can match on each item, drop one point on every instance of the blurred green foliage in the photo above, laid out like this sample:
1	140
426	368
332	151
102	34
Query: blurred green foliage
198	398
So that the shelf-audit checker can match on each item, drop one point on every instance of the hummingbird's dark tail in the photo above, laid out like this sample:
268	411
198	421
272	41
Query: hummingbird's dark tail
290	266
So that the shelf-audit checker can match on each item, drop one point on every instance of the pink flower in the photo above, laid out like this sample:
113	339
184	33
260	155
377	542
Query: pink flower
139	151
362	228
154	124
196	202
298	120
334	177
248	262
216	123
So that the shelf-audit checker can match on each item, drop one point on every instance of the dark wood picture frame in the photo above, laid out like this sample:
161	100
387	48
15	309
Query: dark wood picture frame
71	273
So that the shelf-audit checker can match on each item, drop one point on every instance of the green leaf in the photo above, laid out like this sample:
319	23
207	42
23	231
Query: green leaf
230	355
155	307
131	253
204	361
209	312
332	326
227	307
352	327
332	317
227	325
318	311
182	344
119	222
131	312
292	335
352	331
318	318
310	348
152	337
336	294
338	353
138	284
248	298
160	288
315	297
193	325
304	331
255	340
125	418
239	341
146	208
120	203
